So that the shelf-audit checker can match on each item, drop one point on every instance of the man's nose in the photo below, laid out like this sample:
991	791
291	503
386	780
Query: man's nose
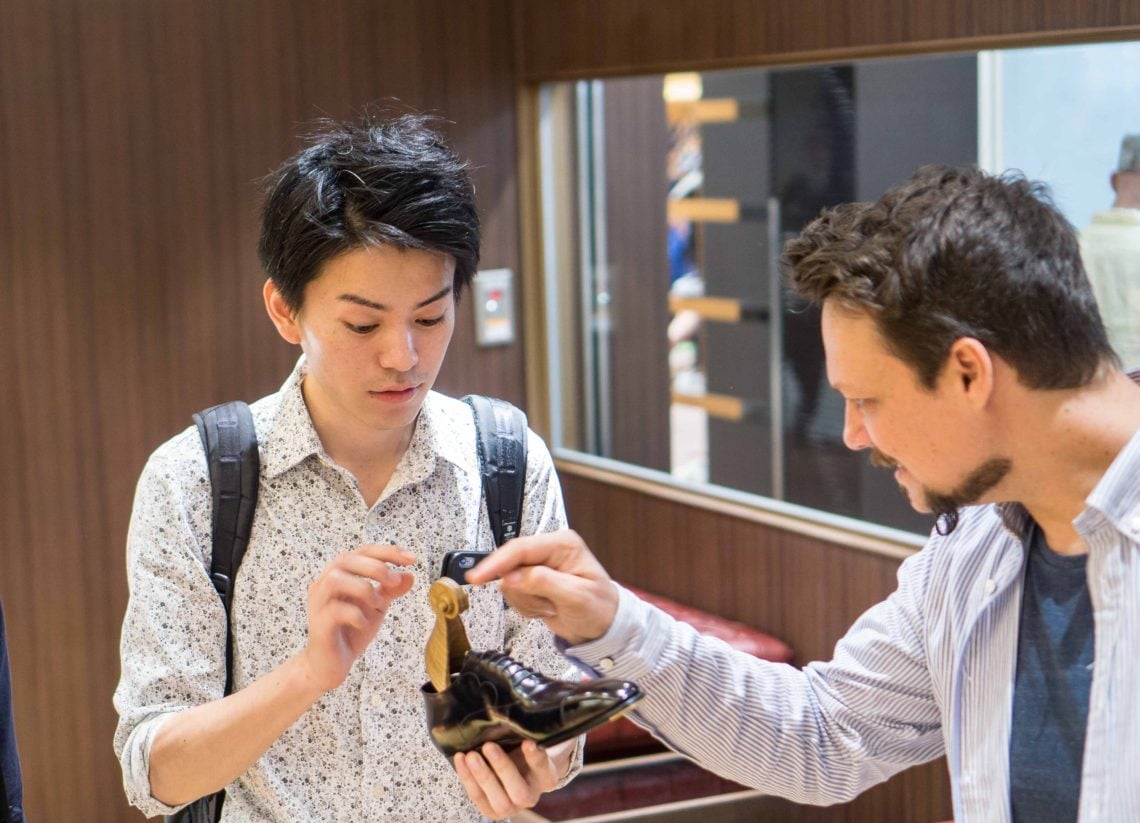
398	350
854	432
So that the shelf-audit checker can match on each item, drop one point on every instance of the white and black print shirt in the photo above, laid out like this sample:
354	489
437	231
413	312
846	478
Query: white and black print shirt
362	752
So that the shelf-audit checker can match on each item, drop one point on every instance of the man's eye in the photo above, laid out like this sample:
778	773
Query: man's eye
360	329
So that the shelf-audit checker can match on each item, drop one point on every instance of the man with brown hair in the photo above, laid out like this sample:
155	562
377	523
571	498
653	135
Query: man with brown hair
963	335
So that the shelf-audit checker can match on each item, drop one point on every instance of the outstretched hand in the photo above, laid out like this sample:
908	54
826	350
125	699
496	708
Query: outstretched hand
555	578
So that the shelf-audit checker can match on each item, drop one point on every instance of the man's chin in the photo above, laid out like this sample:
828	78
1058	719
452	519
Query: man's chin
915	498
389	419
919	503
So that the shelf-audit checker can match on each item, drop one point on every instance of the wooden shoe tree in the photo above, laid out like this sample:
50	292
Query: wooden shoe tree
447	644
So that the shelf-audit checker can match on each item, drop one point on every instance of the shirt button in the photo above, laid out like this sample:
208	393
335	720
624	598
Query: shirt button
991	587
605	664
376	700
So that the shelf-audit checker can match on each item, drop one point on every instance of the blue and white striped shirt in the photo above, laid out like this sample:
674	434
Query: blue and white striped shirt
929	671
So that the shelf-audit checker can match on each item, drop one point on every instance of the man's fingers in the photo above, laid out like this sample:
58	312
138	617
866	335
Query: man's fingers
502	784
388	554
374	565
367	575
402	586
575	608
497	803
543	588
470	784
540	767
376	592
530	607
344	613
517	553
559	550
518	790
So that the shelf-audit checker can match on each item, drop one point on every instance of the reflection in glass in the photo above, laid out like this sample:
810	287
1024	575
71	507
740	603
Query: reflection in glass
669	198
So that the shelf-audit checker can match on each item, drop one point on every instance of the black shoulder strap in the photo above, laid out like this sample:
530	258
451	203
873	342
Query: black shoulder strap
230	441
500	437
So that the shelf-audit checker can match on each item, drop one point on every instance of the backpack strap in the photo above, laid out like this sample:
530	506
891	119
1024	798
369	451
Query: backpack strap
500	439
230	441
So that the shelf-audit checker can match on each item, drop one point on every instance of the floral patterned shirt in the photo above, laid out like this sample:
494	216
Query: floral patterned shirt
361	752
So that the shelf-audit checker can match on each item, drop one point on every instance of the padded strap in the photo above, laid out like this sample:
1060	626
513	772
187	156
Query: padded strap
230	441
501	433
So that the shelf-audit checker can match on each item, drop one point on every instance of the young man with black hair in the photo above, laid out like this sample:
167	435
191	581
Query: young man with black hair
961	330
368	237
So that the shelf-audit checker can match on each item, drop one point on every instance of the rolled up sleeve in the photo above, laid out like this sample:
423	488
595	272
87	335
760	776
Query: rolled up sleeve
172	647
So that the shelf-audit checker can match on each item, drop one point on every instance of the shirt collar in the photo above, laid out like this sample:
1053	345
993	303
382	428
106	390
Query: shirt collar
435	438
1117	494
292	438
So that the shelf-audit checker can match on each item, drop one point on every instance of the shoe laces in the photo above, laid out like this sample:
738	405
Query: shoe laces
516	672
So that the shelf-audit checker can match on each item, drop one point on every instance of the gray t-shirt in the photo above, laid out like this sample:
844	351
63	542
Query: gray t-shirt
1051	692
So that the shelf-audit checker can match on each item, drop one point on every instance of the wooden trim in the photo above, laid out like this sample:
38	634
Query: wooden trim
717	405
646	813
532	279
721	309
704	209
709	806
718	309
712	110
536	63
843	531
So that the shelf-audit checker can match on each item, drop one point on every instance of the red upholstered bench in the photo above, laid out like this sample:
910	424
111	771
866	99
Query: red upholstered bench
622	738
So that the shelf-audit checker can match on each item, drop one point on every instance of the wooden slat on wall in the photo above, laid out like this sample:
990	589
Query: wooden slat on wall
803	590
584	38
132	137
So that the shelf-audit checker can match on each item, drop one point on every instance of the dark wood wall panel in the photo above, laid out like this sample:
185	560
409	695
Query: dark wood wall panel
636	144
585	38
805	591
132	137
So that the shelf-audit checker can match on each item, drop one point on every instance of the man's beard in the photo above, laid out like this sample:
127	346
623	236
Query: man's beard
945	506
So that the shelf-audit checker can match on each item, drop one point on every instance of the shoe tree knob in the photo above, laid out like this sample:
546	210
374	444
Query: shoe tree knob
447	645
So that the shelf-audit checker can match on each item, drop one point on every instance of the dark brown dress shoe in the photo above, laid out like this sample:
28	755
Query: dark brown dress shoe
494	697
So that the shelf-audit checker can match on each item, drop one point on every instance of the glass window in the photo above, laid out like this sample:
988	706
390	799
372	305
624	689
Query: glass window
667	199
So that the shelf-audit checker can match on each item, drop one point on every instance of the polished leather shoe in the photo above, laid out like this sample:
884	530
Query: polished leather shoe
495	698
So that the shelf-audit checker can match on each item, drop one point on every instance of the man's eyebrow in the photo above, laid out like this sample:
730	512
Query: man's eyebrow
372	304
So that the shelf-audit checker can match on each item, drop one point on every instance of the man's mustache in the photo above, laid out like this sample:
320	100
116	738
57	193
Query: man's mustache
882	460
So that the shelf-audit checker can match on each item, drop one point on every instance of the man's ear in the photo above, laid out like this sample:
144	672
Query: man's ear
280	313
970	369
